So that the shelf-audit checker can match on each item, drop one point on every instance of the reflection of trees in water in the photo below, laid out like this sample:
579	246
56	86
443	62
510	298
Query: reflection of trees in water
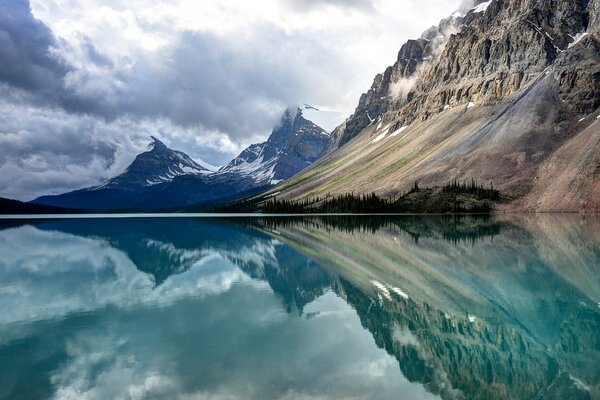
454	228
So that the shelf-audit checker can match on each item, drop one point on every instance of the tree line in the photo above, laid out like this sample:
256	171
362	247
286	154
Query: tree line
455	197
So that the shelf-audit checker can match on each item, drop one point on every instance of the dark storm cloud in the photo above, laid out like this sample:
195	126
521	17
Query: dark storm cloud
233	86
48	150
65	126
25	50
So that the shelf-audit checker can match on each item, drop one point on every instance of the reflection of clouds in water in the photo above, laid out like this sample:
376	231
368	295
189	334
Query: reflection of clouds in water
403	336
259	254
198	335
86	376
46	274
228	352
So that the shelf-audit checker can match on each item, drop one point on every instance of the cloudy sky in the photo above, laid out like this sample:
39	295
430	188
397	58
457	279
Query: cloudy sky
84	83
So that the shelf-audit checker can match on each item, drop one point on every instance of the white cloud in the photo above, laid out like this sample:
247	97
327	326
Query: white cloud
360	37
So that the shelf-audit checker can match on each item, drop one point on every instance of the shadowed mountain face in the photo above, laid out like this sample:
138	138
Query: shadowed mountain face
150	171
506	92
165	178
158	165
467	308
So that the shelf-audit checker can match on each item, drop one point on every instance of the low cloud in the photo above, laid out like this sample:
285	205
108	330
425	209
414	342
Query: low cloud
402	87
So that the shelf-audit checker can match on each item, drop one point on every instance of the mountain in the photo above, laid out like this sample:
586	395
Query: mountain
159	165
9	206
505	91
152	169
293	145
166	178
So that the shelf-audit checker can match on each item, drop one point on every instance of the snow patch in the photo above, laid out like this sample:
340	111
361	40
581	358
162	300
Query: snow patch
581	119
399	131
470	105
579	384
259	170
577	38
275	181
383	289
370	119
471	318
380	137
481	7
544	33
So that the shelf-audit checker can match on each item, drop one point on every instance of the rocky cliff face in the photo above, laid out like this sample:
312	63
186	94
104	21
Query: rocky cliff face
507	92
393	88
498	52
484	55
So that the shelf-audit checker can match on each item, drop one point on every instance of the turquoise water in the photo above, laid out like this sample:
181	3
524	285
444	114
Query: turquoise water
300	308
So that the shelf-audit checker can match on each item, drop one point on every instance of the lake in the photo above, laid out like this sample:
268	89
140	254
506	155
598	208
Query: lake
346	307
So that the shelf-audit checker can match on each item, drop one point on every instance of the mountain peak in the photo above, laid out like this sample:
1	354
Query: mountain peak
157	165
293	145
156	144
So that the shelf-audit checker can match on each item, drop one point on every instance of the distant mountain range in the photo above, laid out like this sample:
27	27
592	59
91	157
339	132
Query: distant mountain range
166	178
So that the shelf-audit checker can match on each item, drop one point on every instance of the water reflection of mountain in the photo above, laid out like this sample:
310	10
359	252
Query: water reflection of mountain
470	307
163	247
474	308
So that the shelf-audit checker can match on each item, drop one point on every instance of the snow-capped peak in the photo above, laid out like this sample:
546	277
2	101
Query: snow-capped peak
294	144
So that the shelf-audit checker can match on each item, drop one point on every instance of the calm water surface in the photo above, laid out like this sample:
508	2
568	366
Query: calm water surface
301	308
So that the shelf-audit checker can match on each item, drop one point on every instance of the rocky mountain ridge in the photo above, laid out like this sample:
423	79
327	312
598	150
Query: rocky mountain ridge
512	95
393	88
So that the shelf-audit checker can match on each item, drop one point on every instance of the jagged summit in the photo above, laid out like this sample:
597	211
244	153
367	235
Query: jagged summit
293	145
156	144
151	170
